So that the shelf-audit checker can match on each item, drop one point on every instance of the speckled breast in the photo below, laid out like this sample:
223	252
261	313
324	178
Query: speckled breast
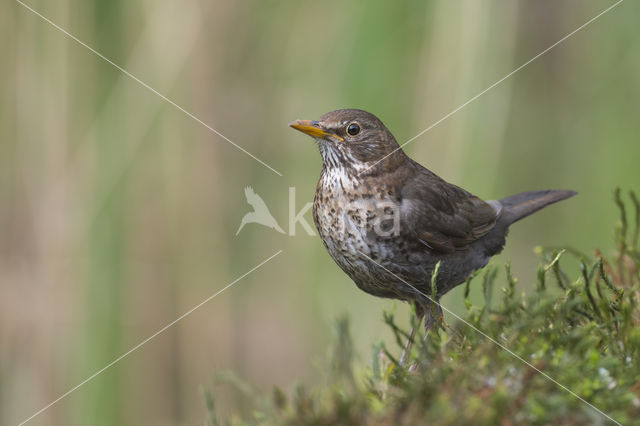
355	218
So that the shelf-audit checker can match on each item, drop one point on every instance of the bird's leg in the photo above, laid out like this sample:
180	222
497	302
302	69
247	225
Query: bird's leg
434	318
406	352
432	314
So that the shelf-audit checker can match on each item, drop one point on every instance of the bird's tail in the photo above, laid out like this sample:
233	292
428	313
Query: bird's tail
522	205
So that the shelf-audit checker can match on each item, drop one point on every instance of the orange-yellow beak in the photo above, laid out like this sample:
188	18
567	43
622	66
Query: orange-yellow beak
312	128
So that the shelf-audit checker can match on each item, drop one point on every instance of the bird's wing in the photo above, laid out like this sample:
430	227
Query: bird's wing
443	216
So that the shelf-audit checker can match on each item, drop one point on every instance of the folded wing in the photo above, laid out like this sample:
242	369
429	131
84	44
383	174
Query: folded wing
443	216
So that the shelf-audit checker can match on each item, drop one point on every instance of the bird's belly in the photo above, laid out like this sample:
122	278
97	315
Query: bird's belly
357	232
343	236
352	254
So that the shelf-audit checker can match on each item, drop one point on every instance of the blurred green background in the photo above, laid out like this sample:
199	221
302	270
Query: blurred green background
118	212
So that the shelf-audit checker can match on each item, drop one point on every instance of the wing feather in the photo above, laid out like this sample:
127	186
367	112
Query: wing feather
443	216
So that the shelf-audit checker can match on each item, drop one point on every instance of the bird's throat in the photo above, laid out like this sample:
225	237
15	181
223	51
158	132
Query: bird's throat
334	157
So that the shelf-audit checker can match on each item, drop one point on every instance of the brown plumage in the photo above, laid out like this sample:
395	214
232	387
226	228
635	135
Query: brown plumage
387	221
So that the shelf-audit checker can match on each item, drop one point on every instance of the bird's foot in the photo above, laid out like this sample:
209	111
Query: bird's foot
406	352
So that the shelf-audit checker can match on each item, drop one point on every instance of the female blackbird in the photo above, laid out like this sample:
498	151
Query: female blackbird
387	221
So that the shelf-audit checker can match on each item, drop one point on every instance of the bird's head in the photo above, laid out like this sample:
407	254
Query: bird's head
352	139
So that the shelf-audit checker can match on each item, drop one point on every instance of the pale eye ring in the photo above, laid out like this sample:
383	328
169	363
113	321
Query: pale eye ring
353	128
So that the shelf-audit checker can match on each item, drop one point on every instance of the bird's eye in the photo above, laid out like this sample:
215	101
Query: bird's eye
353	129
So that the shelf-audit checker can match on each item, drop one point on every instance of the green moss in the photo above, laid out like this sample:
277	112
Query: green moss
579	337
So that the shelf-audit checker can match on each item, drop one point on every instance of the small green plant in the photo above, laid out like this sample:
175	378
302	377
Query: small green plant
568	353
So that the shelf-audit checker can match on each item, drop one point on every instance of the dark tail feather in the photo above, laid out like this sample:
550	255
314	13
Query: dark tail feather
522	205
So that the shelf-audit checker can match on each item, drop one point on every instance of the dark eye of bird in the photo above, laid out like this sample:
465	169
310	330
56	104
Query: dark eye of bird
353	129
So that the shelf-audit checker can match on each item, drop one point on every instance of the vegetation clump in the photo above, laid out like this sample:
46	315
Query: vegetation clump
567	353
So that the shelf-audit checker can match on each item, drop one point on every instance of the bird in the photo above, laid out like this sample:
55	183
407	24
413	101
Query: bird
260	213
389	223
